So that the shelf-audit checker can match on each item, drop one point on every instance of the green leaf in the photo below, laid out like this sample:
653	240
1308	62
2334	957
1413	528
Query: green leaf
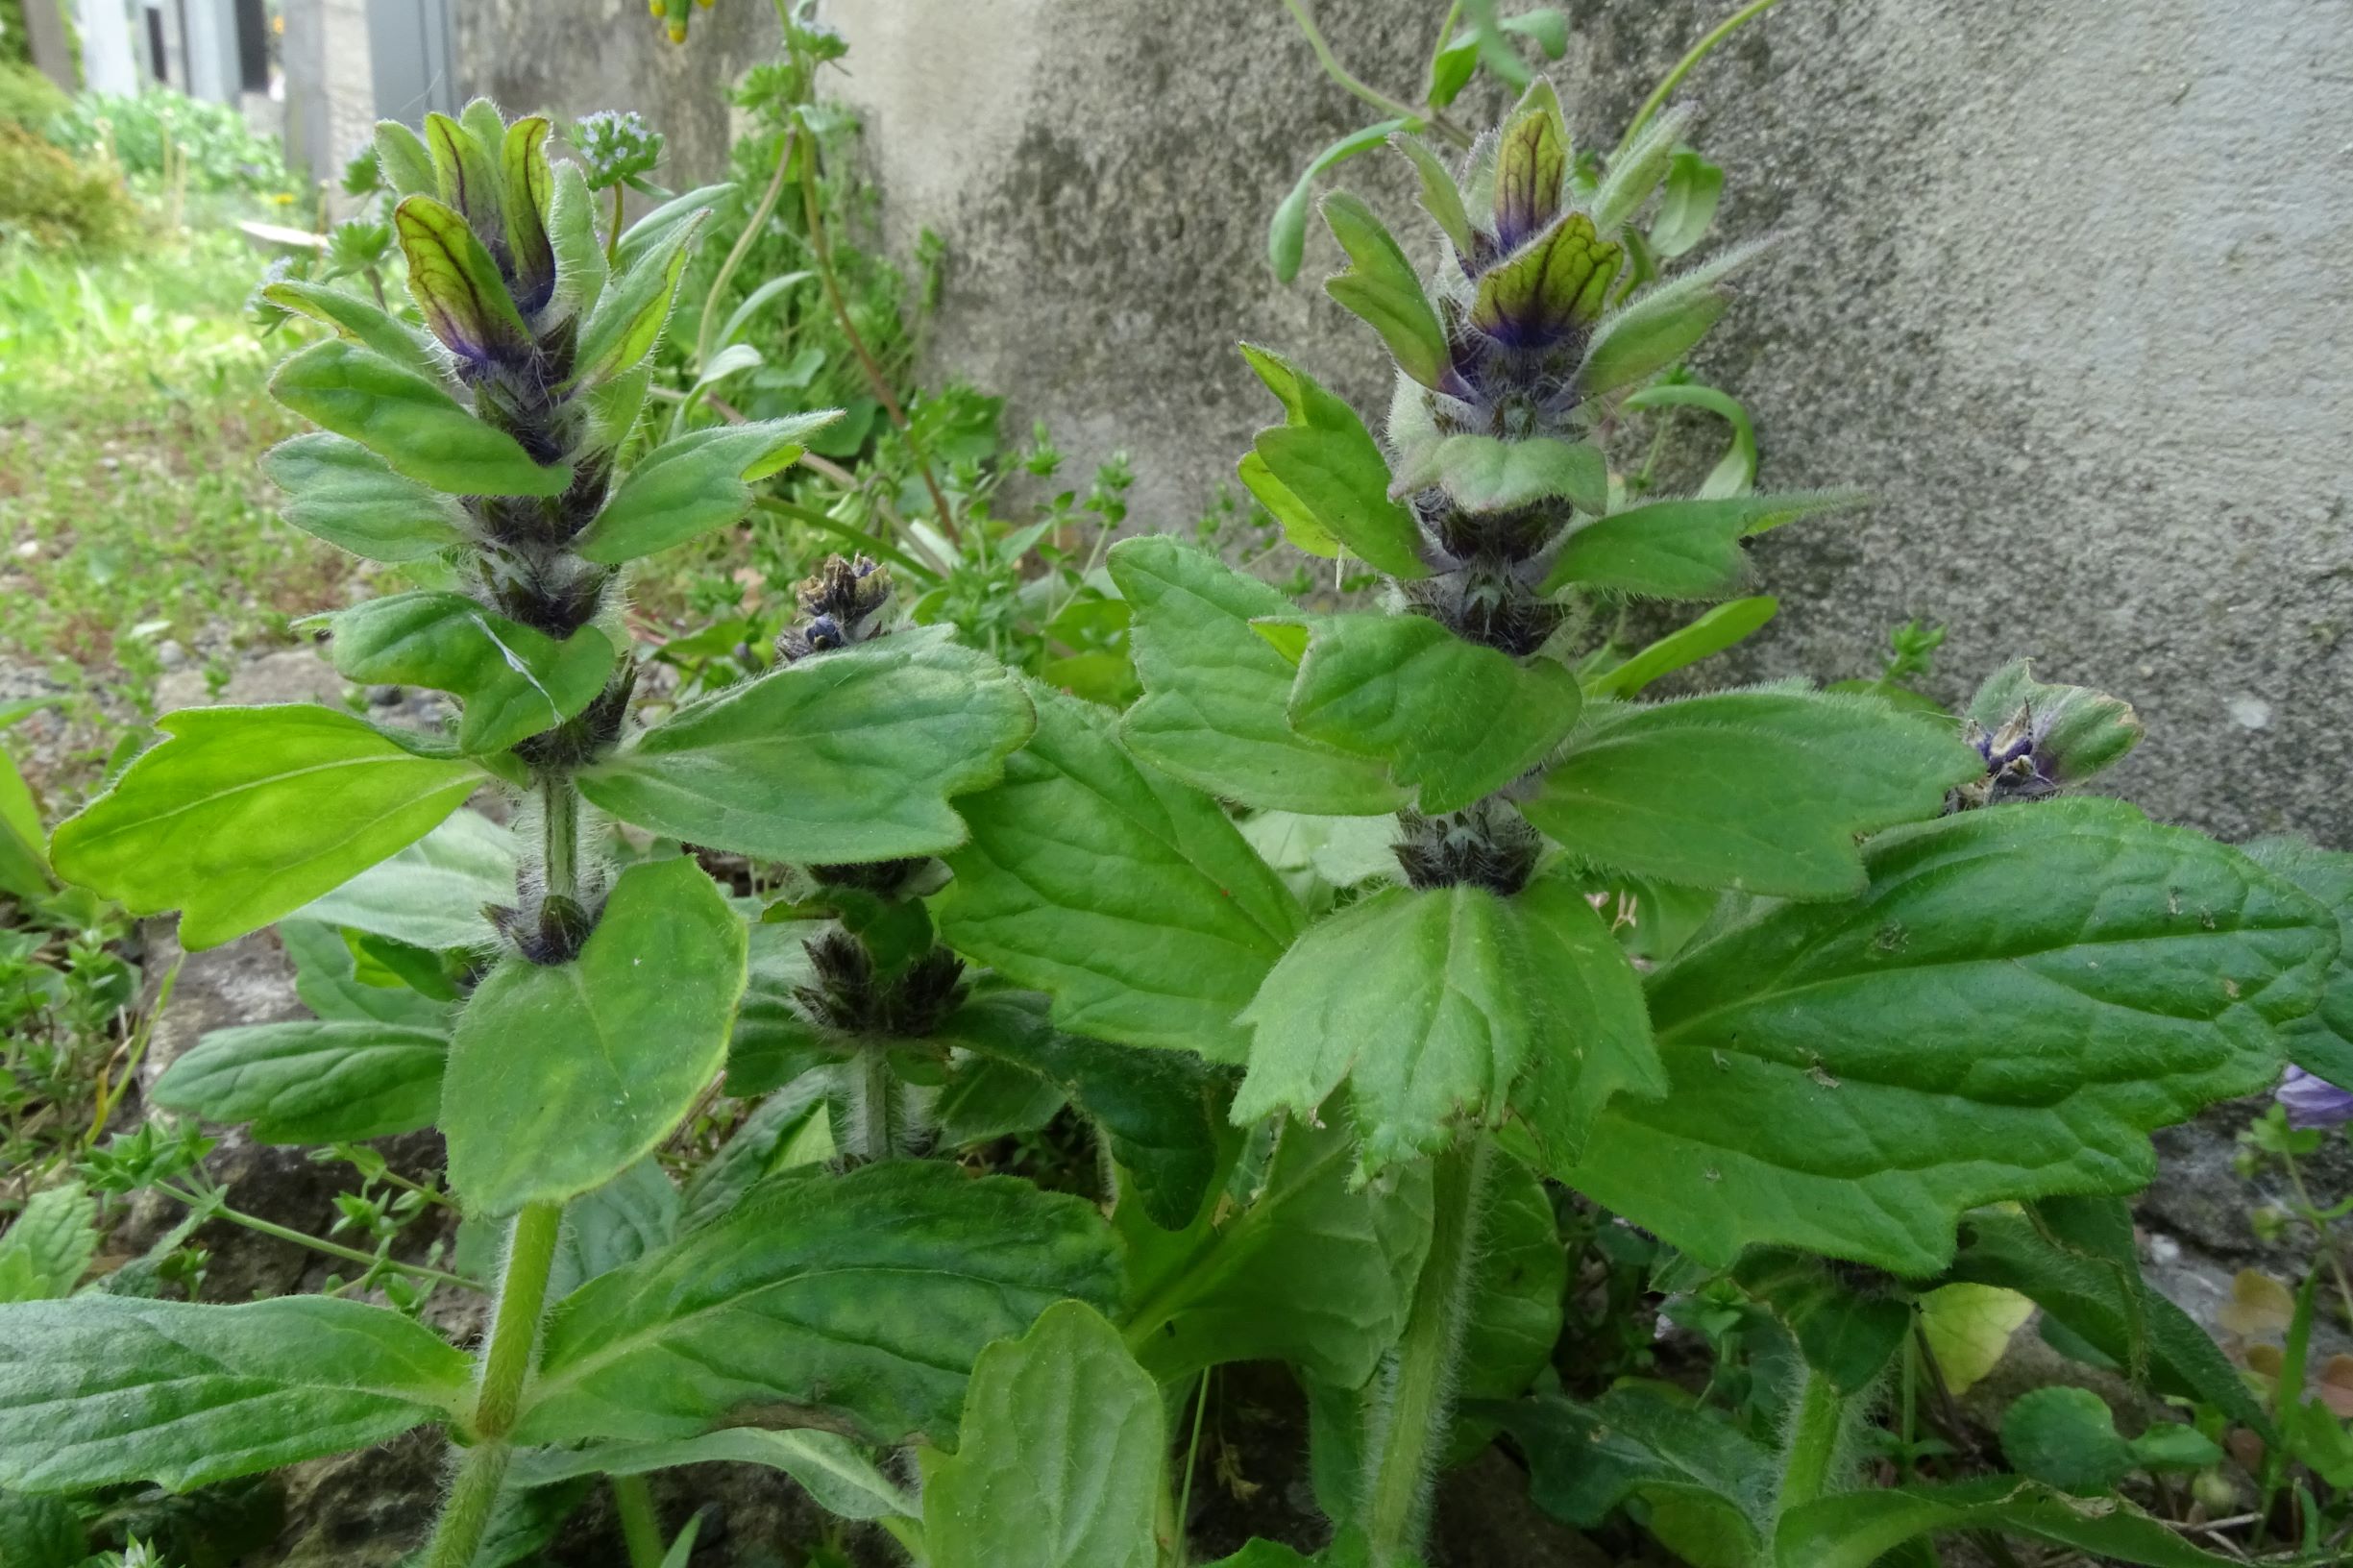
2076	731
326	979
515	682
1127	897
456	285
1680	548
408	166
1304	1270
1532	165
339	491
1854	1530
247	814
1636	168
431	894
1160	1110
580	266
788	1129
1265	1554
1705	1487
846	756
1379	288
1967	1328
1722	627
2095	1292
527	198
661	226
1848	1078
562	1075
1657	327
1441	197
41	1532
1687	205
2321	1041
774	1042
1557	279
1324	477
635	305
1453	721
112	1389
1847	1334
1735	472
1214	693
1761	790
1059	1464
311	1082
634	1213
693	484
843	1479
1515	1311
1287	233
1431	1004
857	1303
24	864
1487	474
2065	1437
49	1246
410	422
465	171
358	320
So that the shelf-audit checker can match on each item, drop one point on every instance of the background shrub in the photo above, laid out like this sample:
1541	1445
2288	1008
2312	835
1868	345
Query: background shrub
54	201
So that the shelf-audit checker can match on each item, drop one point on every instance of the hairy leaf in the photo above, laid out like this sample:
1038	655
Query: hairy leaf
1059	1465
843	1479
1659	326
562	1075
1854	1530
692	484
1487	474
456	285
339	491
1129	898
358	320
580	266
1323	477
1557	279
311	1082
514	681
1214	691
1680	548
1453	721
1287	232
431	894
634	1213
1720	628
1764	790
855	1302
247	814
1849	1078
1380	288
328	981
635	305
410	422
527	198
846	756
2321	1041
48	1247
112	1389
1532	166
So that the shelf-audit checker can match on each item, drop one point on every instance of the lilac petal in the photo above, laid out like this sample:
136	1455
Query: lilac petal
2313	1101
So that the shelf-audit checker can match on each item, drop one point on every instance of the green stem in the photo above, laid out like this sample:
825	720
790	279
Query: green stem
215	1210
560	835
506	1362
612	236
1813	1443
641	1528
874	1130
1342	75
1682	67
1413	1419
735	255
2321	1230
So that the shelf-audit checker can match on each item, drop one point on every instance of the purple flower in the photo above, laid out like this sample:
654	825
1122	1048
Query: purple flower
2313	1101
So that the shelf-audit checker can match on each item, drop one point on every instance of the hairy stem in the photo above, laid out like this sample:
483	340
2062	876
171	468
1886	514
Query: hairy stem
874	1121
1682	67
822	248
612	236
641	1528
212	1209
1412	1422
506	1362
560	835
1813	1441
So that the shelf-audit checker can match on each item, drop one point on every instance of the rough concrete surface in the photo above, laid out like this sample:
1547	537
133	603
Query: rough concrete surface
2066	285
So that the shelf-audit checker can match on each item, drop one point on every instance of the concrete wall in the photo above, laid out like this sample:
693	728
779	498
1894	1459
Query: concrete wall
2069	284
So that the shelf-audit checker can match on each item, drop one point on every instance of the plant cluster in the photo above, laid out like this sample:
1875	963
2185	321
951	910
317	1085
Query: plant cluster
1385	959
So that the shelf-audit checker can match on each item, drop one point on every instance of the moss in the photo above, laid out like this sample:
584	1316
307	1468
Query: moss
56	203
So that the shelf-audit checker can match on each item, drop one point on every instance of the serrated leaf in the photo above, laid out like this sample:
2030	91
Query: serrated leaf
431	894
1451	720
1678	548
1129	898
1724	626
1957	1045
1214	693
243	815
846	756
693	484
410	422
1968	1329
49	1245
1305	1269
857	1303
1761	790
1488	473
1059	1464
515	682
456	285
311	1082
843	1479
1324	476
1379	288
562	1075
1855	1530
634	306
358	320
2321	1041
1553	284
774	1042
112	1389
339	491
789	1129
1431	1005
526	199
1160	1110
